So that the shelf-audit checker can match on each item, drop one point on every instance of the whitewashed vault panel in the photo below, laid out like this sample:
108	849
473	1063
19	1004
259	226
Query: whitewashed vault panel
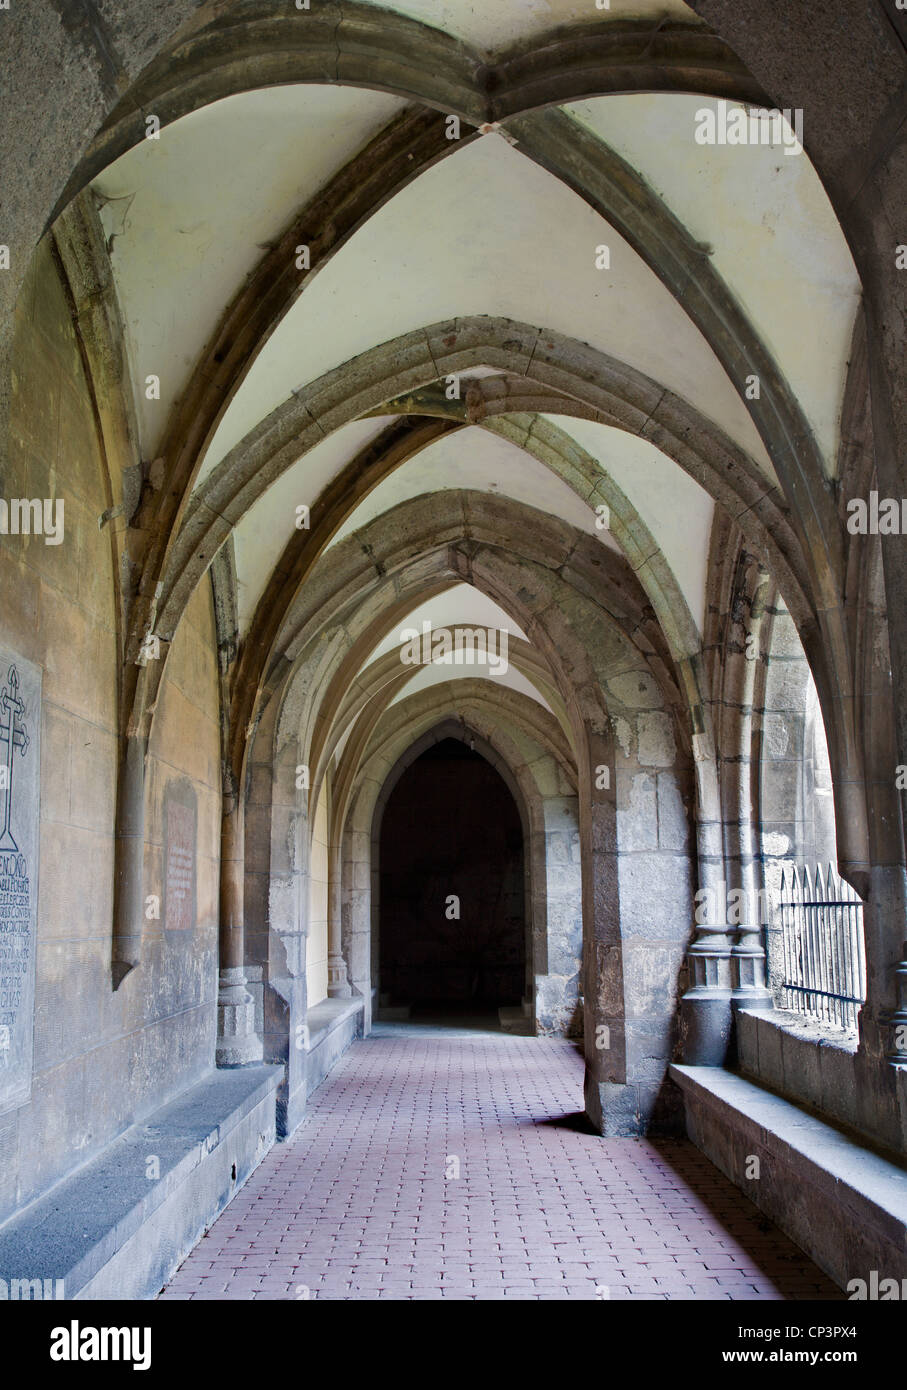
487	231
438	674
458	602
191	213
774	236
677	511
473	458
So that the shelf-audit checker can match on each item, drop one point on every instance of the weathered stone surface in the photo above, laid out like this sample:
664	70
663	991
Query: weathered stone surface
180	815
637	821
656	746
20	771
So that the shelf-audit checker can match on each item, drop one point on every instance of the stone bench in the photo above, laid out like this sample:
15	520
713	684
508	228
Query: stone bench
845	1205
120	1226
332	1026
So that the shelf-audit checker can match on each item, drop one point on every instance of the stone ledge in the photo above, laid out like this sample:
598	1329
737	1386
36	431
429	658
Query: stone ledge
108	1231
331	1026
328	1015
811	1063
843	1204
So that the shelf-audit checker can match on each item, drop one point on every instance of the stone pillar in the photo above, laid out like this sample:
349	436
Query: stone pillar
748	955
557	908
237	1042
897	1019
285	999
338	977
748	962
706	1008
129	850
609	1102
356	916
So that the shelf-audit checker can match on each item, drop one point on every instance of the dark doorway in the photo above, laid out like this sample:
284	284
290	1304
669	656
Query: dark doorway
452	905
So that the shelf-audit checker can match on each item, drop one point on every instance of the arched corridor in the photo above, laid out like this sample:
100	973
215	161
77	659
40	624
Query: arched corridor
453	649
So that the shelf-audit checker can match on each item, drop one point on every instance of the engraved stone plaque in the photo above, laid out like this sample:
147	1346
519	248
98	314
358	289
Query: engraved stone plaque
180	819
20	768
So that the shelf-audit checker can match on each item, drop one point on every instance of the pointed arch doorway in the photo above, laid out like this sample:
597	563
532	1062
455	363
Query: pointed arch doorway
452	919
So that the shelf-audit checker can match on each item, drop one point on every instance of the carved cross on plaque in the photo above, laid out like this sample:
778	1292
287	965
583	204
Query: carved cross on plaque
13	733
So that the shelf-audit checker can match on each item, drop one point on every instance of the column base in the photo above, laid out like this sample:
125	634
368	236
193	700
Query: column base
707	1017
339	986
237	1042
612	1108
754	998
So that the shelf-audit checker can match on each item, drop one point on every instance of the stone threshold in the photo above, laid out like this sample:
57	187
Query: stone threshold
119	1226
844	1204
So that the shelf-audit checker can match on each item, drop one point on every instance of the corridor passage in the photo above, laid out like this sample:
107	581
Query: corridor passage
452	1163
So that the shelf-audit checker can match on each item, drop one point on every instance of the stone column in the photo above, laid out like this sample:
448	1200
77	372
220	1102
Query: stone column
748	952
609	1102
338	977
356	915
237	1042
897	1019
557	909
706	1007
129	851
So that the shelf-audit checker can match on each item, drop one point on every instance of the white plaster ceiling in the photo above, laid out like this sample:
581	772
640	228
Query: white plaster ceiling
260	538
675	508
490	25
428	676
486	231
193	211
777	243
460	603
474	458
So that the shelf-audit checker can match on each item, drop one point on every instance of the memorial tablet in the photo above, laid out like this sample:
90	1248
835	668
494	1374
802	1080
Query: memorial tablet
20	766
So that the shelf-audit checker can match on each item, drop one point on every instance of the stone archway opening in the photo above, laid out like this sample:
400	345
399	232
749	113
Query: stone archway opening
452	917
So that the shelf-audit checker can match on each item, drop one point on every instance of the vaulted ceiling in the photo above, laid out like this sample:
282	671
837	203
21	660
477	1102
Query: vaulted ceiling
624	253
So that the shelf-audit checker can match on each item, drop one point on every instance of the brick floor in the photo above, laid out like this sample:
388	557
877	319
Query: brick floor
365	1202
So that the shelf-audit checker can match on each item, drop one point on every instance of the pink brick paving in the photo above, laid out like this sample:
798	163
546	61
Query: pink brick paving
357	1204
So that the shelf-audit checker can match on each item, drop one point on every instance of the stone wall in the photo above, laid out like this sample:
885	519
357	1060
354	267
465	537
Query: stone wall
101	1058
180	960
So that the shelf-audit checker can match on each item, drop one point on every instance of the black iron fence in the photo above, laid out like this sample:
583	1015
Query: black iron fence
823	959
